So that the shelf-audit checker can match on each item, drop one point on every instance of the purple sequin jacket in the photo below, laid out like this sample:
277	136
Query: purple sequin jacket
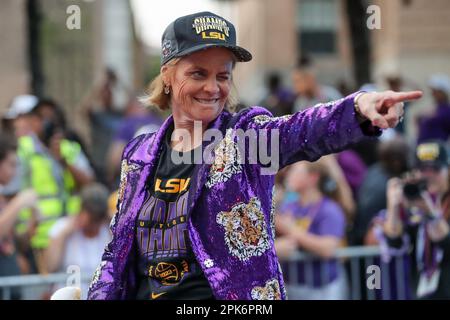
231	222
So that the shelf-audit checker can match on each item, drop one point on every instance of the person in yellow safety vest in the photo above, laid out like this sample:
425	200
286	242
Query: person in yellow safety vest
50	165
55	187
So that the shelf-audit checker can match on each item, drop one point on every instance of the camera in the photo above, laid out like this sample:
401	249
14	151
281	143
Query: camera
412	189
49	130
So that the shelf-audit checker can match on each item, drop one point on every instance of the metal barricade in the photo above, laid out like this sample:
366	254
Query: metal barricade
354	261
32	287
358	264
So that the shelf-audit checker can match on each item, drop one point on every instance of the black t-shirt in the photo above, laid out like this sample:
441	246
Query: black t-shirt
168	268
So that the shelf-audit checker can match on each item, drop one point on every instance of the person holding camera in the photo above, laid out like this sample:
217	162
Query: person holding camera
418	214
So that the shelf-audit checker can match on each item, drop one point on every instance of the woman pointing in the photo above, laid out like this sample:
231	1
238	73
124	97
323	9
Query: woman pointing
204	229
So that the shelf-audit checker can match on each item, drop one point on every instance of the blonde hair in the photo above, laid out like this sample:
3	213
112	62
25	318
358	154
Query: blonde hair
158	98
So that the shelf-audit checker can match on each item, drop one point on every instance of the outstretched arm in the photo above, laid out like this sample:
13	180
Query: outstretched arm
332	127
9	214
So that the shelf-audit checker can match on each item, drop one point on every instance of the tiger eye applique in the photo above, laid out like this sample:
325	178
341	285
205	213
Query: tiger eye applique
245	230
227	161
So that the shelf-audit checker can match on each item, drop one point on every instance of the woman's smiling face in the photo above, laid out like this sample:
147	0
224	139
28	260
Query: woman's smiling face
200	84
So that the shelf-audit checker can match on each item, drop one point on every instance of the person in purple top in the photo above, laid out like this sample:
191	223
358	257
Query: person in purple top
138	120
353	168
437	126
317	225
278	100
205	229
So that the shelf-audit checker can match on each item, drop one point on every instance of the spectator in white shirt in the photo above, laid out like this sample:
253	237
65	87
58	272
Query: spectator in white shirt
80	240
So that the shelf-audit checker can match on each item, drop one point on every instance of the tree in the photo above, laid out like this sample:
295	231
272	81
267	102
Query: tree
359	34
34	18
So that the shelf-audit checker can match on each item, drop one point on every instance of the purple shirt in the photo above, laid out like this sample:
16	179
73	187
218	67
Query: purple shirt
136	125
353	168
324	218
436	127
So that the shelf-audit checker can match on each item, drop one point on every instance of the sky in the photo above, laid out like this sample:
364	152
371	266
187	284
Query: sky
153	16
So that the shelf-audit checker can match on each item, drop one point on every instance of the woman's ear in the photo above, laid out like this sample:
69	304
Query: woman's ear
165	75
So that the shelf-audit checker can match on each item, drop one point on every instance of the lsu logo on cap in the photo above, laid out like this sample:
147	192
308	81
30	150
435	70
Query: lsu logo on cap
211	28
428	152
166	48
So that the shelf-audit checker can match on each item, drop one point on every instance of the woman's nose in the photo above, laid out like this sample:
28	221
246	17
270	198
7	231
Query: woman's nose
211	86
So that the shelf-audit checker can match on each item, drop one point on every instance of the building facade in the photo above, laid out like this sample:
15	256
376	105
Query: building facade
413	41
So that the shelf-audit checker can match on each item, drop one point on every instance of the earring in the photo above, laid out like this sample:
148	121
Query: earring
166	89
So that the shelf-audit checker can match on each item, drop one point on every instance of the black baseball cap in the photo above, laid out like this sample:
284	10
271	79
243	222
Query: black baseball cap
200	31
432	154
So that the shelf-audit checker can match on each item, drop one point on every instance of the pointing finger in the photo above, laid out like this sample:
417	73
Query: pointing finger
406	96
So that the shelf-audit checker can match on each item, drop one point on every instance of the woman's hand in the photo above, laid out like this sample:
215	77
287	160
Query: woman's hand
384	109
285	247
393	226
437	227
73	224
26	199
55	147
394	195
285	223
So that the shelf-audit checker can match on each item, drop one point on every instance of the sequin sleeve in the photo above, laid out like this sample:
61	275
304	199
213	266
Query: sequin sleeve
316	131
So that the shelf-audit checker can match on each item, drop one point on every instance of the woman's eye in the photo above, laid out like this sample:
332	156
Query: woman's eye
197	74
223	77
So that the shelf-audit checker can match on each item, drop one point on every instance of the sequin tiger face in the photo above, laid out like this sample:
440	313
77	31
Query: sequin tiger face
227	161
271	291
245	230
